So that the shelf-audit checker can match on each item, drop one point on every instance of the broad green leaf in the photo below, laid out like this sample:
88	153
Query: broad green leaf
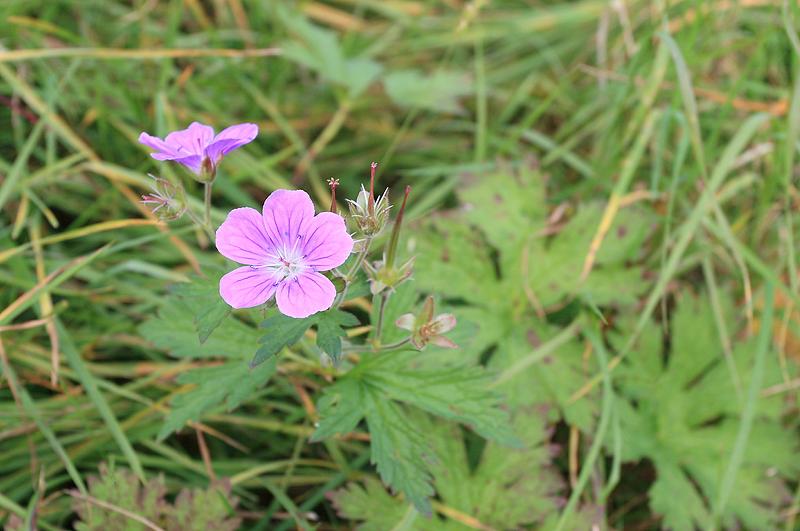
330	331
508	206
452	260
227	384
202	296
551	378
683	415
282	331
437	91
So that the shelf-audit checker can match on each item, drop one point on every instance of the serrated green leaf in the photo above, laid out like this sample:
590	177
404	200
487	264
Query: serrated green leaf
399	451
282	331
381	389
460	394
341	409
193	510
202	296
228	384
490	492
330	331
174	330
370	504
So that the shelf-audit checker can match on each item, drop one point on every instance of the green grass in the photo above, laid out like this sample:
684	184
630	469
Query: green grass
677	118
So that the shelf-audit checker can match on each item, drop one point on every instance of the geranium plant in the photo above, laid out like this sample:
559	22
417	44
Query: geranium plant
302	271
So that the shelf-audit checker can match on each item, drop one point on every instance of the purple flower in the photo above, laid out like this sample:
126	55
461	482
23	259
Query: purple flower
284	248
197	148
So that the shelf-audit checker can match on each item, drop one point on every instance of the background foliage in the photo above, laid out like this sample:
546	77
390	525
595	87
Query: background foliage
604	193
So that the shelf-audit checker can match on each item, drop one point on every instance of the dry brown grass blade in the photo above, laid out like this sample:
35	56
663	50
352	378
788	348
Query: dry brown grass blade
46	304
775	108
333	17
12	56
716	8
62	129
462	518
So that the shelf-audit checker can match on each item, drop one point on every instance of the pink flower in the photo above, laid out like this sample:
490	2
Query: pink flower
197	148
284	249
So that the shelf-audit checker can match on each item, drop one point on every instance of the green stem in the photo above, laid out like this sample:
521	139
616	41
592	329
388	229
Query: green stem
207	203
350	276
384	348
379	321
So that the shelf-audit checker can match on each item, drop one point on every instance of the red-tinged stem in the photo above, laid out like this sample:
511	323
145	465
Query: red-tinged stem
391	249
372	168
334	184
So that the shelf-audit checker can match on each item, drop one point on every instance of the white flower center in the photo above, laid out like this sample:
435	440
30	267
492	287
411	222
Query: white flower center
286	262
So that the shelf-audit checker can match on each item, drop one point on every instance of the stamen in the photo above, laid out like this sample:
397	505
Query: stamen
372	168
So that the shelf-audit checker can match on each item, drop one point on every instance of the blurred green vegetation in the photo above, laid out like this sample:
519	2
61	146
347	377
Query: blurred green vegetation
605	193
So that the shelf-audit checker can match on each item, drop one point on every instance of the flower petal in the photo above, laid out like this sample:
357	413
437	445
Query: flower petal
193	162
441	341
326	243
246	287
156	143
305	295
231	138
286	215
190	141
406	321
242	238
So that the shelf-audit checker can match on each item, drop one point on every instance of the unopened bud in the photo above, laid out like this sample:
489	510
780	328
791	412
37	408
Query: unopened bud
208	171
334	184
386	274
368	213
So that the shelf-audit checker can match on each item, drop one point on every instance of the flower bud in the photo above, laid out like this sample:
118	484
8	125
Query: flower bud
385	274
370	215
208	171
425	328
167	200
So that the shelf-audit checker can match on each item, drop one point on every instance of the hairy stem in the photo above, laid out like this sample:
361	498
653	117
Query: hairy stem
384	348
350	276
384	297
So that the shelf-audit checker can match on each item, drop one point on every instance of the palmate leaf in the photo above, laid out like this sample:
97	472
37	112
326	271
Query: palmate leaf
383	389
510	488
453	259
683	415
